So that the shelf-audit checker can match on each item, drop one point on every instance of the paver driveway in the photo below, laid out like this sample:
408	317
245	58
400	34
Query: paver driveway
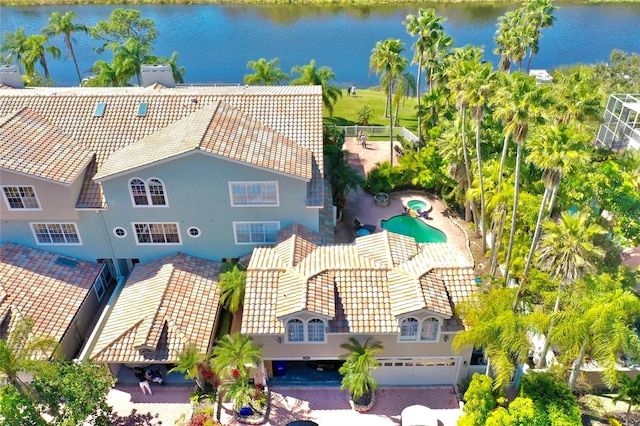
327	406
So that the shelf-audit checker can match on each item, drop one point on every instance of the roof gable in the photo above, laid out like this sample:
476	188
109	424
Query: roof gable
165	304
30	145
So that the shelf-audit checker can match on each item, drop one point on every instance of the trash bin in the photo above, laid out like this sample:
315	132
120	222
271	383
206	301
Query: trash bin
279	368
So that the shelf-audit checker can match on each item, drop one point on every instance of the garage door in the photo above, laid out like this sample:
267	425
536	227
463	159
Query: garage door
417	371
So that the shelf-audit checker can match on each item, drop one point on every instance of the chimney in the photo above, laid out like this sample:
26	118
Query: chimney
10	76
160	74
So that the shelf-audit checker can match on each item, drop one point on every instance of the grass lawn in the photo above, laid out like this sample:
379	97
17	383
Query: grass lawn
345	111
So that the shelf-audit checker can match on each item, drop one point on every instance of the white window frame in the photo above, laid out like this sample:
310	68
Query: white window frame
152	181
263	185
417	338
152	243
22	198
51	231
235	232
101	285
305	324
298	338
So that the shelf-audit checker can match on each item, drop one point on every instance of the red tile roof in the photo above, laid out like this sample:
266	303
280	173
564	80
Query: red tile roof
361	287
36	284
165	304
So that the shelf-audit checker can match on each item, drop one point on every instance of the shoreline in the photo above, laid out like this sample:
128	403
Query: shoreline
341	3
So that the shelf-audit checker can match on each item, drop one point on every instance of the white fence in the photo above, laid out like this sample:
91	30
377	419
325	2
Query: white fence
380	131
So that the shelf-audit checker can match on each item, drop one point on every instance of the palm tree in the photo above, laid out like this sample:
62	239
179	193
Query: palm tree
478	92
132	55
567	252
451	149
596	320
387	61
457	74
310	74
106	75
232	287
36	51
629	392
576	99
178	72
193	364
539	15
234	356
518	101
427	26
63	24
267	73
556	150
24	351
15	45
405	88
496	327
359	362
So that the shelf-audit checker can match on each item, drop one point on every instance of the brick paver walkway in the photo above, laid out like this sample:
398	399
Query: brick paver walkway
328	406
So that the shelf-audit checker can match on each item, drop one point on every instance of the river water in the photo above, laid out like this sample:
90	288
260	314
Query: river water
215	42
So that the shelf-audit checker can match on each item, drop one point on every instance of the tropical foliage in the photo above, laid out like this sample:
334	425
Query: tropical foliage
310	74
356	369
267	73
232	287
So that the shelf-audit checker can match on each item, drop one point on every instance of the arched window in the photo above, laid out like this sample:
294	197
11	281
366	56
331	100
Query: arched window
429	330
139	192
295	330
156	192
315	329
409	329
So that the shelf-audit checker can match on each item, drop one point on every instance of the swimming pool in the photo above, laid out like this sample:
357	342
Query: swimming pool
414	227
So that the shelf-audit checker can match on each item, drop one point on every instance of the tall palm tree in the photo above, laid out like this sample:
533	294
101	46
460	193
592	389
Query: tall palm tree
63	25
557	150
427	26
359	362
234	356
232	288
36	50
539	15
518	102
405	89
451	149
178	72
567	252
132	55
478	92
15	45
310	74
459	69
576	99
267	73
24	351
387	61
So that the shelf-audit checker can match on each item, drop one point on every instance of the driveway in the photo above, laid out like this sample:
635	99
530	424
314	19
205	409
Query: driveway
324	405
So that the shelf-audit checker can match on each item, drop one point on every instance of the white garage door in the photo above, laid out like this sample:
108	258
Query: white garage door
417	371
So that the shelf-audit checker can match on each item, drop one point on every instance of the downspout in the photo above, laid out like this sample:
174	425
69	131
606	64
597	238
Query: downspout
106	235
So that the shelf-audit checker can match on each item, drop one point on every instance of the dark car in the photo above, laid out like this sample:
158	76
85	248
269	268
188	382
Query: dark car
302	423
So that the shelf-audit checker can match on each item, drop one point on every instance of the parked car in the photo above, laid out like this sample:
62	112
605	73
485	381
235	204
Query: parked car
418	415
302	423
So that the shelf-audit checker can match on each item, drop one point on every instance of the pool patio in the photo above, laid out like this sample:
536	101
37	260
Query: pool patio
361	206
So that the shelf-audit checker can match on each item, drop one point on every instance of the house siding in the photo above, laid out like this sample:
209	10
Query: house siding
197	193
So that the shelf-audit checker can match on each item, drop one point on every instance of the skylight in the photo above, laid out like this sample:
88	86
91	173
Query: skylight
99	112
142	109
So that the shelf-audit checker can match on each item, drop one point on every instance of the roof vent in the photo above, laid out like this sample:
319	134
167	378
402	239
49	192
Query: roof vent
66	262
161	74
10	76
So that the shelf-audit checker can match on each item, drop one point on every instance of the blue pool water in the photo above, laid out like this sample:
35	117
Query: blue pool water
414	227
418	205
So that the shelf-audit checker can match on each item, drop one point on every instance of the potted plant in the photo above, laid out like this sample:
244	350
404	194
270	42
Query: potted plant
356	372
381	199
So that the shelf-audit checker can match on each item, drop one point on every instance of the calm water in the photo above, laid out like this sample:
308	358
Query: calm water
215	42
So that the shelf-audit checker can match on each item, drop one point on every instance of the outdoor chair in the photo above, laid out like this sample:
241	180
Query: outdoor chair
358	226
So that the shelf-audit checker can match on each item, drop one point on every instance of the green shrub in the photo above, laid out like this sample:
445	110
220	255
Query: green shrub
614	422
555	404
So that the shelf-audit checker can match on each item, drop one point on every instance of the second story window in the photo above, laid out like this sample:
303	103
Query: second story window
56	233
295	330
150	193
157	233
419	330
21	197
253	193
307	331
315	329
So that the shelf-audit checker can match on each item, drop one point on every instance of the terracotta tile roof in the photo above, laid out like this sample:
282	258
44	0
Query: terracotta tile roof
30	145
287	113
37	284
219	130
362	287
165	304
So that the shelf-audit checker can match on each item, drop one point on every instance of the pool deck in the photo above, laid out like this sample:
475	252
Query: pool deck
360	204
